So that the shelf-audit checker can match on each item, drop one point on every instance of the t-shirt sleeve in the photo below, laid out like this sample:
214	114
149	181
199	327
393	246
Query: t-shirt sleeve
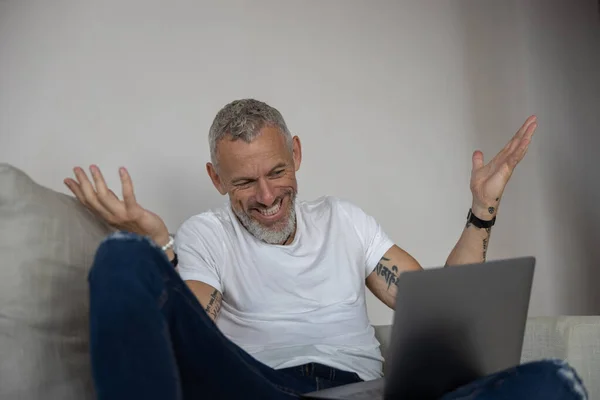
199	253
374	240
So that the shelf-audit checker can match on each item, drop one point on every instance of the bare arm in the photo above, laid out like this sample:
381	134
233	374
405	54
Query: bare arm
473	243
128	215
470	248
488	182
383	280
487	185
208	296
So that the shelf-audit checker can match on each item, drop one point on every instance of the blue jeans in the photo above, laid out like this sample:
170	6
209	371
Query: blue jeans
151	339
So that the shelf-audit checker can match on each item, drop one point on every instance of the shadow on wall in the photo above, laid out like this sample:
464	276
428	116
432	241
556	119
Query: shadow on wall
497	105
543	57
565	39
496	73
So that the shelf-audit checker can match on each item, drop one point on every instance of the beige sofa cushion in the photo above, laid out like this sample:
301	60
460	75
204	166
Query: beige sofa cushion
575	339
47	244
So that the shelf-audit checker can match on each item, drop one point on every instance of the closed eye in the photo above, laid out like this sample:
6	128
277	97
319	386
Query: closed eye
277	173
242	183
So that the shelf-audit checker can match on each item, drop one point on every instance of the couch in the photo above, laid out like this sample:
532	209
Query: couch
575	339
47	243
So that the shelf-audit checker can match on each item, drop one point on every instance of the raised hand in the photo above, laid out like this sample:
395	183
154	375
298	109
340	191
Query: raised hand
124	214
488	181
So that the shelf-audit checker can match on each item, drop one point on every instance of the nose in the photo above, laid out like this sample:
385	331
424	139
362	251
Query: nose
265	194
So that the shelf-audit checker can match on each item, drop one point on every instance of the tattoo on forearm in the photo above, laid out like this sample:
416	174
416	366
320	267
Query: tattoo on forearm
485	246
389	275
214	305
485	243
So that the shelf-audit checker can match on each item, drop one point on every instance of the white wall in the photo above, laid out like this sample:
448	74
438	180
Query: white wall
543	56
564	43
389	98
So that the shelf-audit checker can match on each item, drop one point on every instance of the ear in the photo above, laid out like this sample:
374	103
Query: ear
214	177
297	152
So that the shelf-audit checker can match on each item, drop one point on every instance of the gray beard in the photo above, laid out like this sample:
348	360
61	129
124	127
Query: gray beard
269	235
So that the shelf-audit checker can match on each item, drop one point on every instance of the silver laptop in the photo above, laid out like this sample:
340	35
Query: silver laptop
451	326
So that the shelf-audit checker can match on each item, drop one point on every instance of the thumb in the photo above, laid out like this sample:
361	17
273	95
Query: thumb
477	160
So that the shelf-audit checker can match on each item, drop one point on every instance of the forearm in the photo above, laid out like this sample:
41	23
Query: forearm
473	243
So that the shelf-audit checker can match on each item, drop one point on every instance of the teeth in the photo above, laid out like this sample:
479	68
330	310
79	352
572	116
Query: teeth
271	211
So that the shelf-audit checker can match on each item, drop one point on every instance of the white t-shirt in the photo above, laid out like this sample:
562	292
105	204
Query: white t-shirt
294	304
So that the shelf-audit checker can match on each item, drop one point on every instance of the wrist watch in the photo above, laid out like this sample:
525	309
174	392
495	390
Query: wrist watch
480	223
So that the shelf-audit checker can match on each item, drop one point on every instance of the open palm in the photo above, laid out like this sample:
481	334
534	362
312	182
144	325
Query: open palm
127	214
489	180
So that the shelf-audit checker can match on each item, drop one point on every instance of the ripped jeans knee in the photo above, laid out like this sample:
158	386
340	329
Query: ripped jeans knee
550	379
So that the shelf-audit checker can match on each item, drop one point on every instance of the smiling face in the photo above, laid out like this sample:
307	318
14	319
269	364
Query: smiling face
260	179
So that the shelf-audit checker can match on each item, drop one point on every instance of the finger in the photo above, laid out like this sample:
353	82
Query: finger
76	190
89	194
477	160
111	193
84	184
127	188
99	181
530	131
528	122
519	153
110	202
526	127
513	142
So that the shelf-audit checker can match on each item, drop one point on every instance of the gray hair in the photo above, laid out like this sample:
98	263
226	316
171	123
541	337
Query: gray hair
243	119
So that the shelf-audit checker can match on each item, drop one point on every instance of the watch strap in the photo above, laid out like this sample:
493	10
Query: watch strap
480	223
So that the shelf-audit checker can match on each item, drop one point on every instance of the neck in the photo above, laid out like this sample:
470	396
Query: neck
290	238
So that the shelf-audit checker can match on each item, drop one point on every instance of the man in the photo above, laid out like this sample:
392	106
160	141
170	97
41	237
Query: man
284	280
